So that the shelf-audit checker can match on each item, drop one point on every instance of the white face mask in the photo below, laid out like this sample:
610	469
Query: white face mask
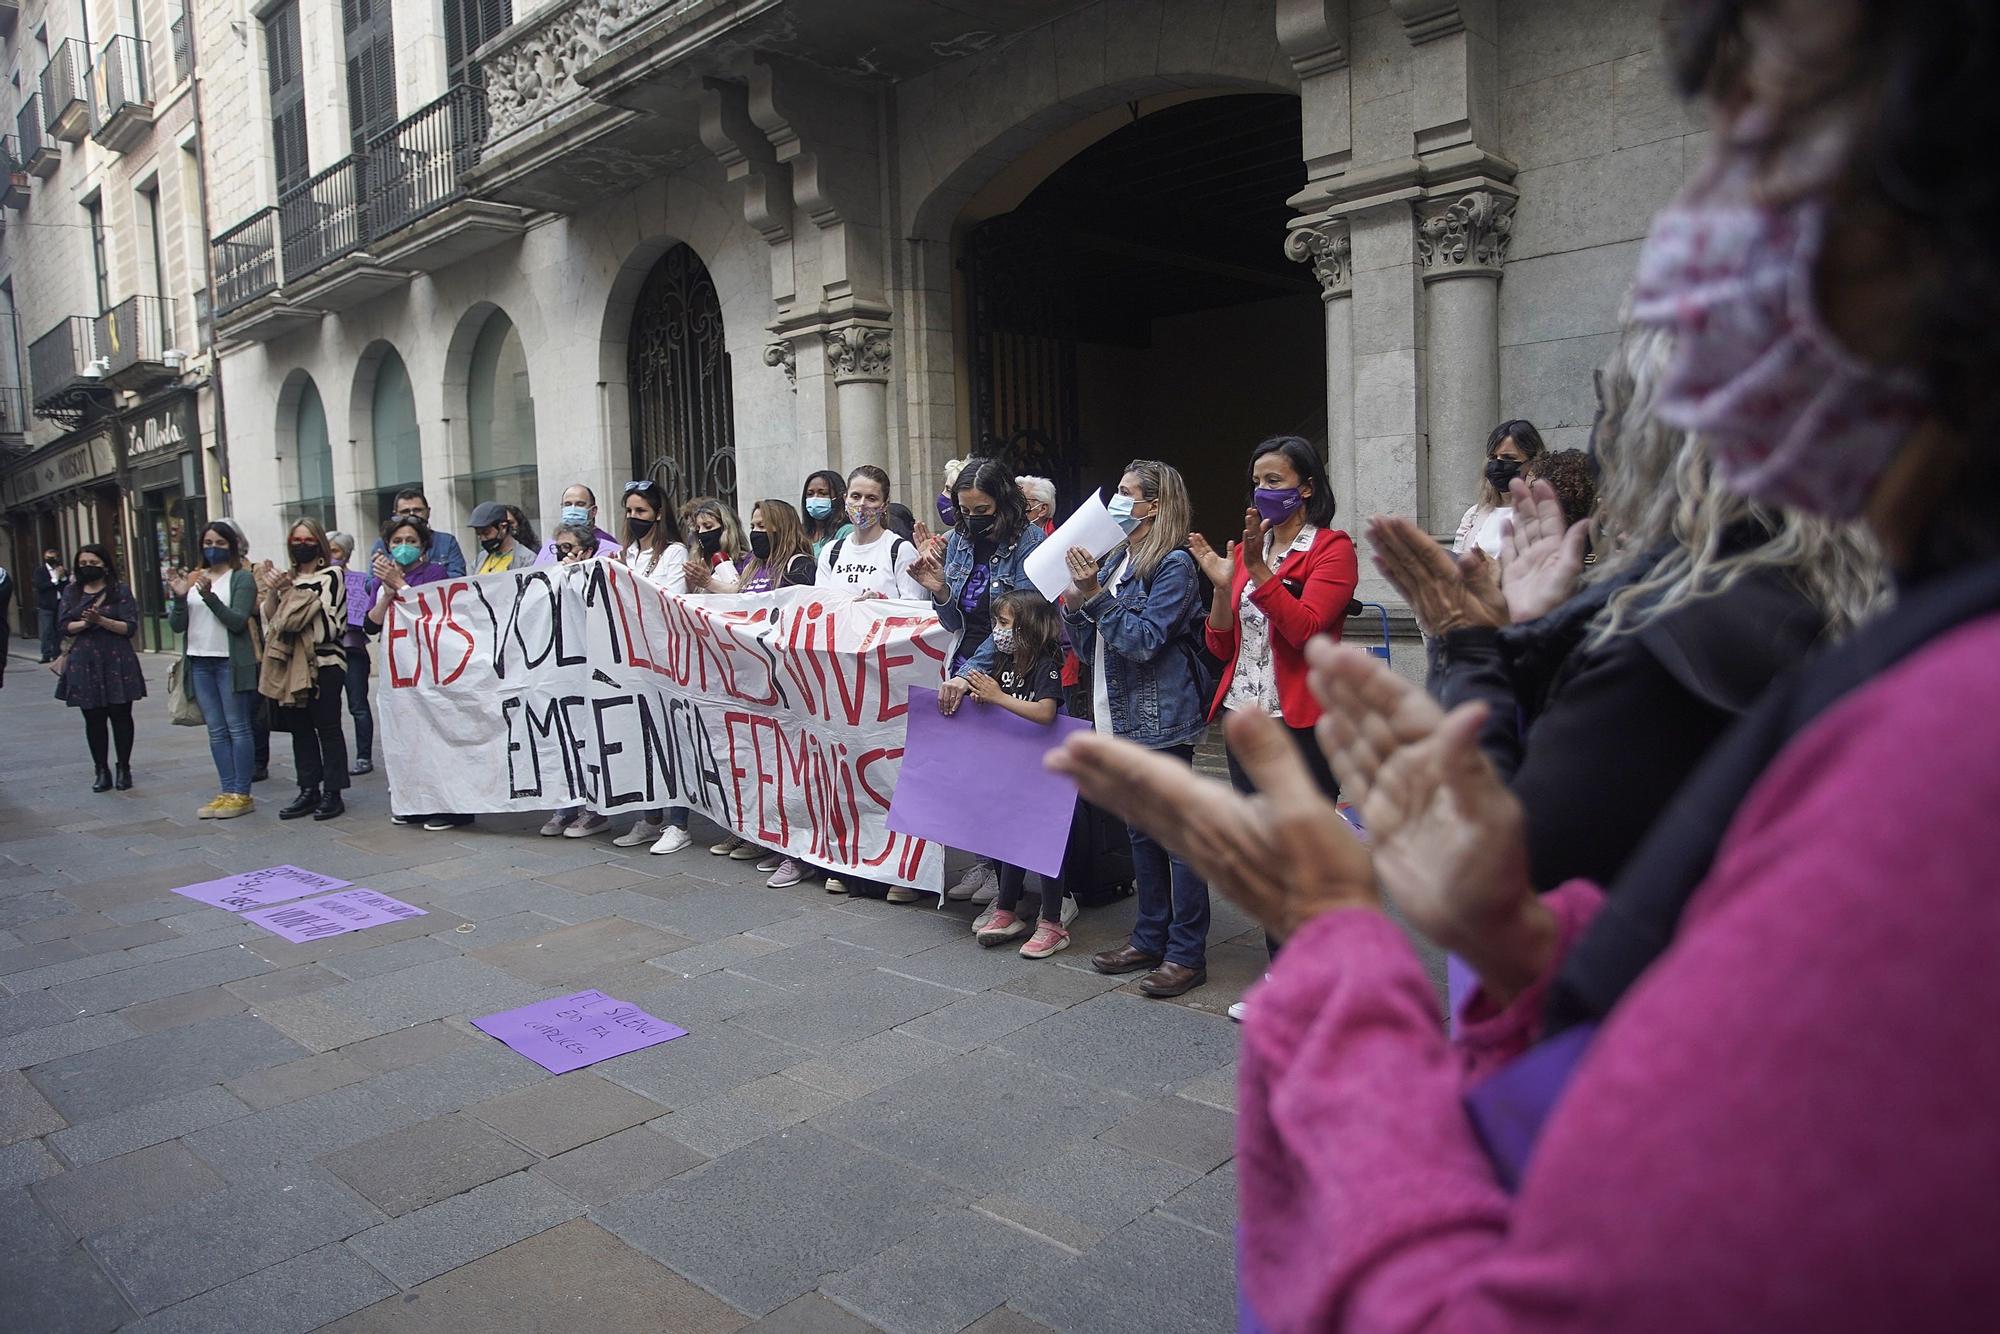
1003	638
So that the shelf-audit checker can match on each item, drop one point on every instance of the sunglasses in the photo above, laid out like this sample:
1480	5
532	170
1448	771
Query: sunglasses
644	484
567	549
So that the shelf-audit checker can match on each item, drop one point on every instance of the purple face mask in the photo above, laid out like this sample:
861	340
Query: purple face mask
1277	503
947	511
1790	416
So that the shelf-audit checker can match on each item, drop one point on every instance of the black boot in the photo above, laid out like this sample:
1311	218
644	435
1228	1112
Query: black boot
304	804
330	805
103	783
124	780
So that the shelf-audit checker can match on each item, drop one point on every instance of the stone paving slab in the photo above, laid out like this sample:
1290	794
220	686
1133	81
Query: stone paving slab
188	1007
1188	1282
443	1236
279	1138
1127	1042
103	1195
149	1123
1079	1194
299	1079
619	1164
561	956
302	1294
50	1282
566	1112
949	1273
25	1163
109	1079
24	1112
404	1170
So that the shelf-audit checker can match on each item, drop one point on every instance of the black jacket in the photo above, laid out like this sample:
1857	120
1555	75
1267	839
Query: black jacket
1595	741
48	592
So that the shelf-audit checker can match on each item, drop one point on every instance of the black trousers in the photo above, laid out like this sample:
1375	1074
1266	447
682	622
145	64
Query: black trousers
102	726
319	748
357	703
1322	773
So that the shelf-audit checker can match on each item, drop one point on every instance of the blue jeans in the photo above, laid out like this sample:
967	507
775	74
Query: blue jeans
227	710
1173	900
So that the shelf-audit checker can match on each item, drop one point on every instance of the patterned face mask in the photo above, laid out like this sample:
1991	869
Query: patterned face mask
1790	417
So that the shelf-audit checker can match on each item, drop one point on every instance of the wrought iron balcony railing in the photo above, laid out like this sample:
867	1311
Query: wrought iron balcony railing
416	167
14	178
39	153
13	414
325	218
63	362
121	89
133	337
246	261
66	92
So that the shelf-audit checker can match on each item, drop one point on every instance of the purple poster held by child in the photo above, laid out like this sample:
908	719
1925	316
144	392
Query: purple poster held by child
569	1032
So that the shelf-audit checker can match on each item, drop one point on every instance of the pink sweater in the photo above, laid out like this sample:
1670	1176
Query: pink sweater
1788	1124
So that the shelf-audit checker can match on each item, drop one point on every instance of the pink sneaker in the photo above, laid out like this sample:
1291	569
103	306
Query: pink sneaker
1004	927
1048	938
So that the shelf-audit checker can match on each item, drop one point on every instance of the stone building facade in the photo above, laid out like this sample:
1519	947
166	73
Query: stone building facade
108	428
499	250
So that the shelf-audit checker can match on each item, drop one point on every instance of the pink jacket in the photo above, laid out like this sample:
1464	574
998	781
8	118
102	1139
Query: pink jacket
1789	1123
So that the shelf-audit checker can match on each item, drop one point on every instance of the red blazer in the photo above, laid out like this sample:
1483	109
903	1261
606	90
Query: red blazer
1308	597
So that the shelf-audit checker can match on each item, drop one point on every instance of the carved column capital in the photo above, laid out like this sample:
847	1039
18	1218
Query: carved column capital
782	355
1464	236
858	352
1329	246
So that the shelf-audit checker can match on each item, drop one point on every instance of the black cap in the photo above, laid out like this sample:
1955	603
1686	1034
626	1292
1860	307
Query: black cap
487	513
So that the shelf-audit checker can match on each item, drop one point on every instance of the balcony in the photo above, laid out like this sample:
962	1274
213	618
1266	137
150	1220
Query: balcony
66	92
419	216
325	220
14	187
39	153
248	304
64	373
133	340
13	417
121	105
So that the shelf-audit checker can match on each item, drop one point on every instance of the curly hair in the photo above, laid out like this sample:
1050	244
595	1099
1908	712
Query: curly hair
1569	472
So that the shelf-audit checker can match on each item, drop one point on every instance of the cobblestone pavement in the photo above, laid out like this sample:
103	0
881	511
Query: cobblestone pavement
872	1123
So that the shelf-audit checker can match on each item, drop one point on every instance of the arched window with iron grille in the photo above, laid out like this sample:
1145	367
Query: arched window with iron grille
683	420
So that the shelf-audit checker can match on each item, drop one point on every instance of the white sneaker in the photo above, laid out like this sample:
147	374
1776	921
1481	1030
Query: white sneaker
898	894
989	888
985	919
642	831
835	885
583	826
1239	1010
969	883
746	851
673	840
552	827
787	874
727	846
1069	910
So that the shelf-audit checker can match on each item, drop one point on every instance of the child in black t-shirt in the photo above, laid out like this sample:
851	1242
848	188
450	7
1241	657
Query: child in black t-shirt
1027	643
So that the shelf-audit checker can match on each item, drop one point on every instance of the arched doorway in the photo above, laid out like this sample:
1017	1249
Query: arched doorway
500	418
678	372
1138	303
392	420
312	455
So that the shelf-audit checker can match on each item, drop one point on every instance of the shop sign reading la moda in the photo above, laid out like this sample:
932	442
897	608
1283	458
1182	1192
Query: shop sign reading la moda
164	428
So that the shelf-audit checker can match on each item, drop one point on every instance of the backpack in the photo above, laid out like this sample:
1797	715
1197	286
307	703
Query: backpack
895	544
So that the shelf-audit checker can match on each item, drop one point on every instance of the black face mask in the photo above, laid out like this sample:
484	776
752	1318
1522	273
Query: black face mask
492	545
1502	471
760	545
90	574
640	527
711	541
978	526
304	551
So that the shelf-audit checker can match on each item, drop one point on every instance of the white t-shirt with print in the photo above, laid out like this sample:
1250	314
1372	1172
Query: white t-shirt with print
867	568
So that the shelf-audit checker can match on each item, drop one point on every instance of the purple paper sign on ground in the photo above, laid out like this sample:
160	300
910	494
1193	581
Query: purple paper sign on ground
569	1032
256	889
975	781
332	915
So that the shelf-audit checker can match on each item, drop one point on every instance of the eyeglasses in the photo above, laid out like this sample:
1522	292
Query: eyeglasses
566	550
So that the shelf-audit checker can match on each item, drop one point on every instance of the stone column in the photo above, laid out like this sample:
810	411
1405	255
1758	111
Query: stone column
1329	248
1461	244
857	355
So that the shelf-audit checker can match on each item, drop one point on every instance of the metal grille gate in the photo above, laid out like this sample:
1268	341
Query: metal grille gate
683	424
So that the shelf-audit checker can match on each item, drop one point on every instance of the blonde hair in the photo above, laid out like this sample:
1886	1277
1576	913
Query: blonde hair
1160	483
788	539
734	544
1657	486
318	534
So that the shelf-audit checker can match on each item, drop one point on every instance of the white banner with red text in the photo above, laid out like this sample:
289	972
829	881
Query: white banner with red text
779	715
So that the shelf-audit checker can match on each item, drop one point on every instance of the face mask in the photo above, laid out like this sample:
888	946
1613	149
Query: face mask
215	555
977	526
575	516
1276	503
1003	638
819	507
89	574
1120	509
1789	416
947	511
760	545
641	527
405	553
711	541
1500	472
491	545
303	552
865	516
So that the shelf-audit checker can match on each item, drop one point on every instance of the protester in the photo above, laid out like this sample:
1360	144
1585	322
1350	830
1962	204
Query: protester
947	499
718	545
1573	475
1129	617
501	543
579	510
900	520
6	617
1039	495
408	565
1027	682
1508	449
574	544
260	717
870	560
97	670
213	607
305	665
1815	906
51	578
654	550
982	559
354	640
780	555
409	503
823	502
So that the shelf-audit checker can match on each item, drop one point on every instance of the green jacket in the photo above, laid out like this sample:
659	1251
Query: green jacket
235	616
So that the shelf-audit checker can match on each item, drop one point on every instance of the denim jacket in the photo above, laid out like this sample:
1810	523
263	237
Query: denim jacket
1004	574
1149	665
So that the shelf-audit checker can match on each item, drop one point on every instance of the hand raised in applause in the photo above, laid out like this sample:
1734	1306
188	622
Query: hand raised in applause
1541	556
1441	591
1217	566
1083	585
983	687
928	570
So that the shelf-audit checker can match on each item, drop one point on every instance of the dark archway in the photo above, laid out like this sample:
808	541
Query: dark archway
678	374
1138	303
